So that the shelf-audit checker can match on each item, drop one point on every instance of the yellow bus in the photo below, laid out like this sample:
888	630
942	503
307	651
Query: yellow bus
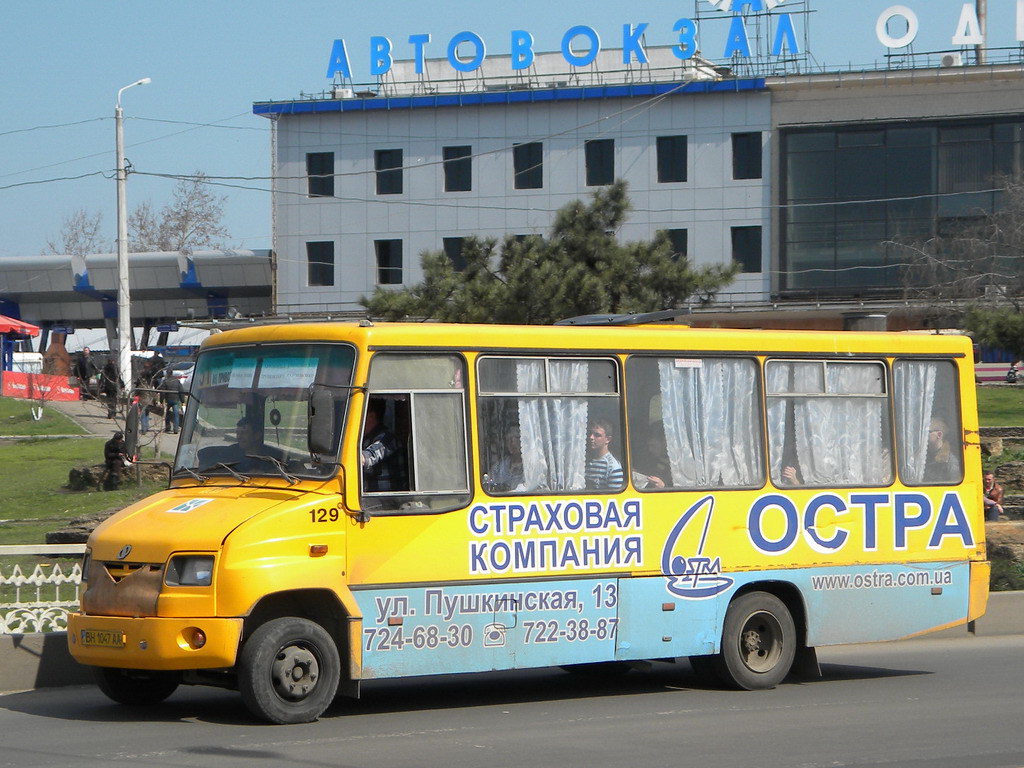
353	502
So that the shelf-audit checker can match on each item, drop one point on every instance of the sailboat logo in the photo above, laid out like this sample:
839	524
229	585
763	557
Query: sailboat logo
699	576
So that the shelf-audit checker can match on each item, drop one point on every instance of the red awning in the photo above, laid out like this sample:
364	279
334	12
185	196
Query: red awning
20	327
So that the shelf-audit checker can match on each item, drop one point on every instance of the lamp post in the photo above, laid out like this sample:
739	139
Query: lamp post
124	318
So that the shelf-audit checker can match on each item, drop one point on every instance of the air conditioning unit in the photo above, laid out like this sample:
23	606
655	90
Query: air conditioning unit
342	93
952	60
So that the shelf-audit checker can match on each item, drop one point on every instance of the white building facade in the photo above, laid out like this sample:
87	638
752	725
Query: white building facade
365	183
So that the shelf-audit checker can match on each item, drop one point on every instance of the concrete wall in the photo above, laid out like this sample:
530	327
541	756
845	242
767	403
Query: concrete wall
42	660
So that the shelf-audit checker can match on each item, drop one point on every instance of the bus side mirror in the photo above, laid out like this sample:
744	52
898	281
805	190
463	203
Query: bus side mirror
320	435
131	430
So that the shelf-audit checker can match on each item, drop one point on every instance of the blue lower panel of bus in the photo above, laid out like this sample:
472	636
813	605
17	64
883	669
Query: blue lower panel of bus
473	628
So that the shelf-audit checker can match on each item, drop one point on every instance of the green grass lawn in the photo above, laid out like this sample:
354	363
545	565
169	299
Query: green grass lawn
33	500
33	472
16	419
1001	406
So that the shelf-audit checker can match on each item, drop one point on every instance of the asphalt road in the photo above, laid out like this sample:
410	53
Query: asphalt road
956	702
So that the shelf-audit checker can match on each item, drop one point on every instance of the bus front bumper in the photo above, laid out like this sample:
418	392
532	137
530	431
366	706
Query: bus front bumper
153	643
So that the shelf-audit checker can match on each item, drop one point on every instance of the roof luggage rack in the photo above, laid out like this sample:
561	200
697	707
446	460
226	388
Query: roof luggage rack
639	318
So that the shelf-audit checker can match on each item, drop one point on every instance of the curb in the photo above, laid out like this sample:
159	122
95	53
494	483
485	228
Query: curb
42	660
51	437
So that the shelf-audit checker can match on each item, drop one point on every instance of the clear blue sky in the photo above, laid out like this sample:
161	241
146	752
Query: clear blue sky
64	61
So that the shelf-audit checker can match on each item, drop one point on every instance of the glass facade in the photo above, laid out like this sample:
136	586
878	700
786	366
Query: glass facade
851	193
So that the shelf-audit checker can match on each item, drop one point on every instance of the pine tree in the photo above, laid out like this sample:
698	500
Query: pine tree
580	268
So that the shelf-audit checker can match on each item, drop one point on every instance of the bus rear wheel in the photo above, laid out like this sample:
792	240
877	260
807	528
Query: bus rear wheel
758	642
288	671
136	687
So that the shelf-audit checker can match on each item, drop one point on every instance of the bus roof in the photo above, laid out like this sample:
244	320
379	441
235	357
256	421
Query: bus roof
576	339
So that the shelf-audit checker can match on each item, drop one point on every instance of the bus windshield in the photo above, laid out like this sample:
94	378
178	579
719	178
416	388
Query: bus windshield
247	414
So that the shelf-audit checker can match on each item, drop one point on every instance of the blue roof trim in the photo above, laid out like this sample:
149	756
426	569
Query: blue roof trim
635	90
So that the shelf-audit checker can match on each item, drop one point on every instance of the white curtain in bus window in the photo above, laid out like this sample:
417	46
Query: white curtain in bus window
711	419
828	423
927	422
552	429
534	414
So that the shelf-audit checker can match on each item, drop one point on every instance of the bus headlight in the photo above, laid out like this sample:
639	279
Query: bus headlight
190	571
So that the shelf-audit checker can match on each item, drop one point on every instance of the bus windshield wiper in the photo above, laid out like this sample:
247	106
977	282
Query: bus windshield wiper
193	473
229	468
277	464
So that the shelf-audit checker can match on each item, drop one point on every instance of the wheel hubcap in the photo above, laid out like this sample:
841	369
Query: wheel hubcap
295	672
761	642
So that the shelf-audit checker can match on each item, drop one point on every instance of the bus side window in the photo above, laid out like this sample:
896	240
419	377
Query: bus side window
550	424
828	423
928	431
413	445
694	422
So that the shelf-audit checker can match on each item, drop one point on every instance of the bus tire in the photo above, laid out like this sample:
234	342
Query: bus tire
288	671
136	687
758	642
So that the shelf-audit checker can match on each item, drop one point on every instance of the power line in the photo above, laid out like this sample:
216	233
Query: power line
50	181
53	125
639	108
107	152
464	204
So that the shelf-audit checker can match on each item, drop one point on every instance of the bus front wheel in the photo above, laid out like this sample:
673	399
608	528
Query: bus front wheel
136	687
288	671
758	642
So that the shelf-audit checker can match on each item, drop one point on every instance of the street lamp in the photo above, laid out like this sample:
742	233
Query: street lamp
124	318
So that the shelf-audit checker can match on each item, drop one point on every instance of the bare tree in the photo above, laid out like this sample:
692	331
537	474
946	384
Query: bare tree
79	235
144	229
973	273
191	220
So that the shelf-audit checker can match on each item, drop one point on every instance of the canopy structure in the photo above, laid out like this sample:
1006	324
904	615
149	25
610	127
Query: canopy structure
12	327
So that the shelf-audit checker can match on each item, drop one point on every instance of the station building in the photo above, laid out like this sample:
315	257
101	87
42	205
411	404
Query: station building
809	181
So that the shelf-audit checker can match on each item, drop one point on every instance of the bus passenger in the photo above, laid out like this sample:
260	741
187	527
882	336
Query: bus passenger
652	467
604	472
507	473
940	464
380	456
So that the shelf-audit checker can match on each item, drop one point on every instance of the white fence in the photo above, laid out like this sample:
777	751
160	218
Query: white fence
36	593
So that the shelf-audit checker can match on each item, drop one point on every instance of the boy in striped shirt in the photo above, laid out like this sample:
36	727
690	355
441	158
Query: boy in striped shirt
604	472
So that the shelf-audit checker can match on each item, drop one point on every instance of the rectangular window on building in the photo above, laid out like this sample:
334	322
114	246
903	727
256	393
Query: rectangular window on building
453	250
320	170
746	248
389	261
600	161
388	164
671	159
679	241
458	169
320	263
528	163
746	155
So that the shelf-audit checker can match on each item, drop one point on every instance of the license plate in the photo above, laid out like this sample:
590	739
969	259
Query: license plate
103	638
